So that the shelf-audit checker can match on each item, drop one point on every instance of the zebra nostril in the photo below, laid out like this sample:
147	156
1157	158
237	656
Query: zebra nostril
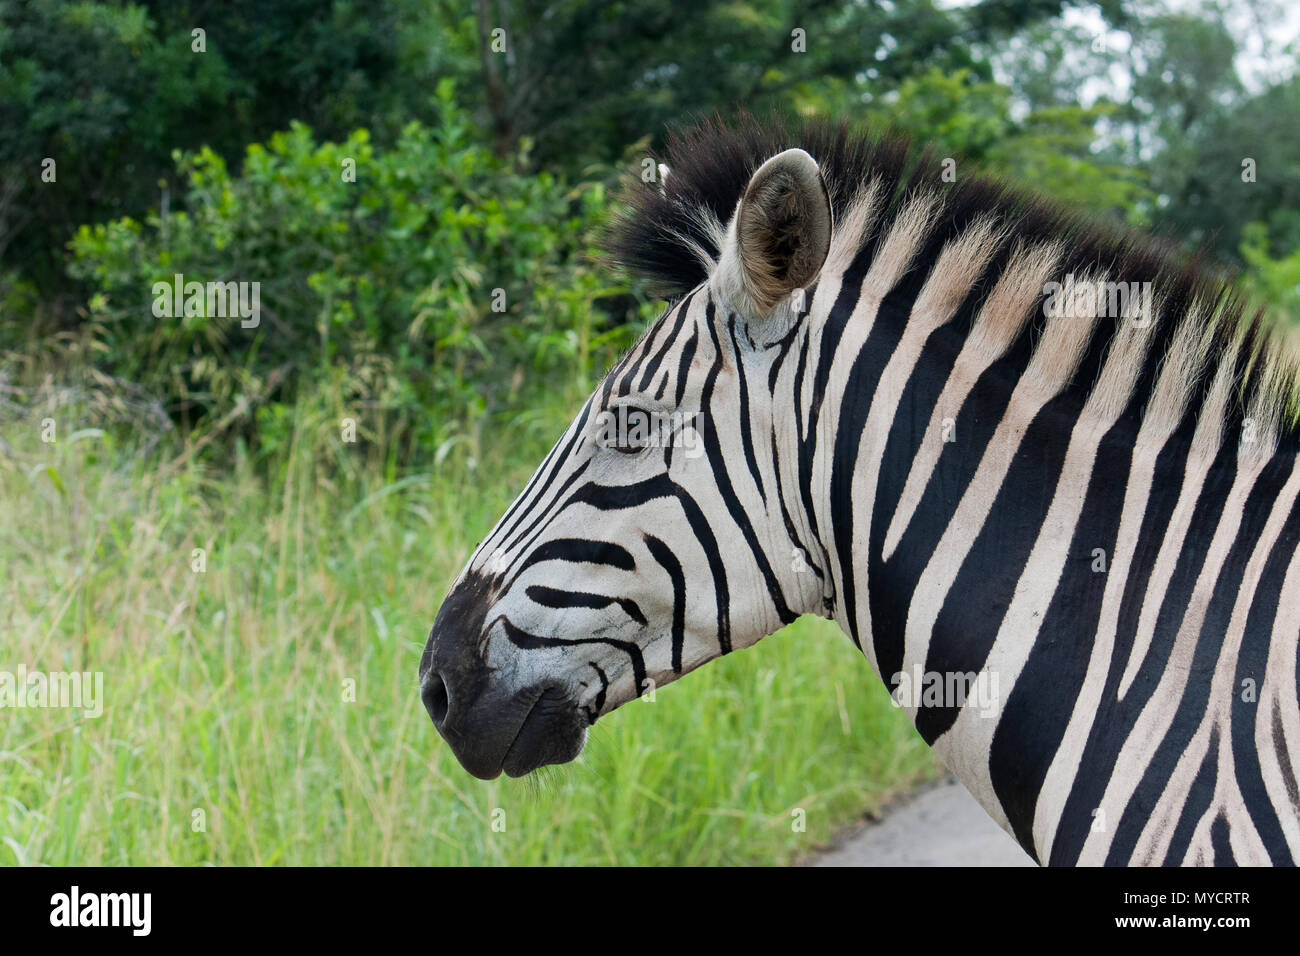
434	695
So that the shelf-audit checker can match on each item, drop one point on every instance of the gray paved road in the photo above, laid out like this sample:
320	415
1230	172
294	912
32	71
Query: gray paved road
942	826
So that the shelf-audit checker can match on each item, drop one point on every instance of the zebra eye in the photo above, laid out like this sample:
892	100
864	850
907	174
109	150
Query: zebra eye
627	429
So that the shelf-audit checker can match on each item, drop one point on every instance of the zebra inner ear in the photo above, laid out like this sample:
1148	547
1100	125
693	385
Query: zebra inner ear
780	235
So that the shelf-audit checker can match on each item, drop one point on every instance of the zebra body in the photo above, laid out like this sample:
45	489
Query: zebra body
872	419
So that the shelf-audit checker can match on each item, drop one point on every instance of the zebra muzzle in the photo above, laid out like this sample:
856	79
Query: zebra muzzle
491	725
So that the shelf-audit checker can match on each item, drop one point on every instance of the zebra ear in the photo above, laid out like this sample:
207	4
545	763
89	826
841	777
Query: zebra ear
779	237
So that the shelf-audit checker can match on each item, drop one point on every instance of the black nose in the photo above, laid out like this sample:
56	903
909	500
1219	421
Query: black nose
491	724
452	672
464	707
433	691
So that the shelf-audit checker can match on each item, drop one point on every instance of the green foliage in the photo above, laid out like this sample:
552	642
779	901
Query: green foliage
956	111
1049	150
1273	279
431	283
1053	150
1178	121
585	80
109	90
1211	195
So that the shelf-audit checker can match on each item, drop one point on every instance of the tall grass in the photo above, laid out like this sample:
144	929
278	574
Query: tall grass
230	734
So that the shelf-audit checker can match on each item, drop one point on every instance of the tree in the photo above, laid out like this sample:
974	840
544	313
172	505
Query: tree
584	80
107	92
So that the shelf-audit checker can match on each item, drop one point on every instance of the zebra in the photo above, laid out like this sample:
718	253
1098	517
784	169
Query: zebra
878	396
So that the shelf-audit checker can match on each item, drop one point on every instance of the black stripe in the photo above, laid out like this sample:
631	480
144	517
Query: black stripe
785	512
746	429
532	642
713	448
1284	764
1220	842
579	550
558	600
664	555
1114	719
684	366
1033	724
652	366
598	704
544	514
527	497
782	347
1209	642
1252	655
855	406
1252	663
616	497
976	420
1198	802
973	610
831	331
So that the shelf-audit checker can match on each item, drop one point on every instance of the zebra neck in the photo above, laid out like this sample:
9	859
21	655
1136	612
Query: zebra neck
1042	587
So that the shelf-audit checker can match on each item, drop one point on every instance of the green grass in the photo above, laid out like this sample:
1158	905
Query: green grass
225	690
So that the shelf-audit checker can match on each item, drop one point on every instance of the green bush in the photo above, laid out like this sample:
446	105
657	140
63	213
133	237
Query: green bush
107	91
422	285
1272	279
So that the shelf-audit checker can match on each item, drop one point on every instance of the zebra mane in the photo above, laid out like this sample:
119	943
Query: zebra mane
1201	357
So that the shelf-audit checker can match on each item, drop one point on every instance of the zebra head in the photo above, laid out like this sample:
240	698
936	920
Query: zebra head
664	528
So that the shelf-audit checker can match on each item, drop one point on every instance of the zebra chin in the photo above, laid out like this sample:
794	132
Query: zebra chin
491	726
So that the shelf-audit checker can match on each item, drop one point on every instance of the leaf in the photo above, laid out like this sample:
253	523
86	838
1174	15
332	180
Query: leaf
48	470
